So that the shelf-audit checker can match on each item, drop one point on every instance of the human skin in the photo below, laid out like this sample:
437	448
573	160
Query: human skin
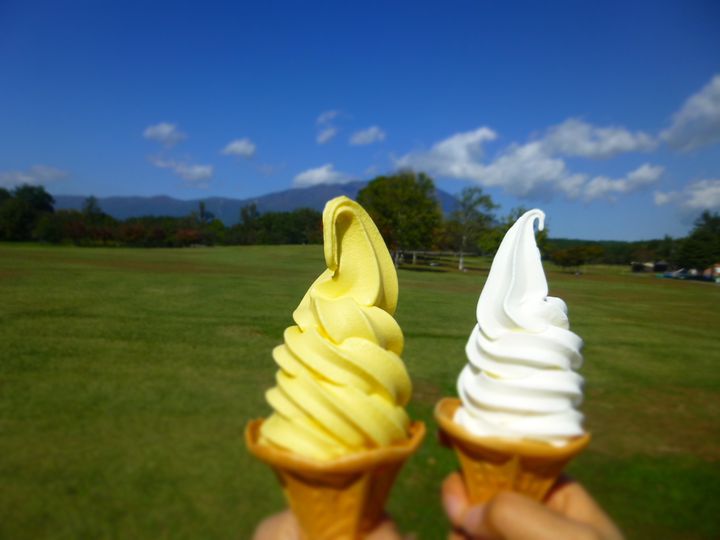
284	526
568	513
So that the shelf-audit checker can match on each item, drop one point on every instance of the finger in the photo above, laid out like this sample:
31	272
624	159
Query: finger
511	516
563	480
454	499
462	515
282	526
386	530
572	500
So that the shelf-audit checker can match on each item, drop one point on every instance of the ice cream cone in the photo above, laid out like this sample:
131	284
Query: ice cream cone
339	499
490	465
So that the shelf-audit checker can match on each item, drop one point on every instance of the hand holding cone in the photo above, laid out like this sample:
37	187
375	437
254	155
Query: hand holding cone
490	465
339	433
517	422
340	499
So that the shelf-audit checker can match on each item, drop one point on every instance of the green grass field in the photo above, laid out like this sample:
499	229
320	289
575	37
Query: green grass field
127	376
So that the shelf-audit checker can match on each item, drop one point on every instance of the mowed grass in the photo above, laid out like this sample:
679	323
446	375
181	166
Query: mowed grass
127	376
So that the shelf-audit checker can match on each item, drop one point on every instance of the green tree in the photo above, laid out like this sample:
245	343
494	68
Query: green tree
489	239
214	232
202	222
702	247
247	230
475	214
62	226
667	249
594	253
307	226
513	215
21	211
36	196
49	228
17	219
301	226
203	215
404	208
573	257
249	214
100	227
91	208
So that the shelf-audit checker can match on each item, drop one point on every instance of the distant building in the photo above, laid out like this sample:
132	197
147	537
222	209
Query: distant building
713	272
641	266
657	266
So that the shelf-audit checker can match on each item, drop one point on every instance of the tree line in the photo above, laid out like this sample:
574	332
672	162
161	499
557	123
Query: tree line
27	214
699	250
403	206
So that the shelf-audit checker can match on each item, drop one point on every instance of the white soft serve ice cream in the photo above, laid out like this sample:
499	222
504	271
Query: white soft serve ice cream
520	382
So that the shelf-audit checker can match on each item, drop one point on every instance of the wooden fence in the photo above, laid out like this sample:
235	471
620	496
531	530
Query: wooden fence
441	261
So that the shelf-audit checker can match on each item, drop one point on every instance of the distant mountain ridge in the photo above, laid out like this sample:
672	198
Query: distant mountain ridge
228	209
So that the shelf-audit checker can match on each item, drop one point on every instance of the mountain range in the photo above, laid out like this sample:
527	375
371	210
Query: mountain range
228	209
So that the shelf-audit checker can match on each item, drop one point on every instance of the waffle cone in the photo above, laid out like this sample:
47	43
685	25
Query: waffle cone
340	499
490	465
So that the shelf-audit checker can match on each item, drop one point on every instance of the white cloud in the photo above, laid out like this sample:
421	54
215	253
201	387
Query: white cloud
325	123
326	135
602	186
703	195
538	167
527	170
575	137
36	175
326	117
697	123
662	198
196	175
370	135
164	133
522	170
457	156
326	174
700	195
240	147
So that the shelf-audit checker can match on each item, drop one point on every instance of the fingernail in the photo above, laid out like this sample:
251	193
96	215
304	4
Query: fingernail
473	519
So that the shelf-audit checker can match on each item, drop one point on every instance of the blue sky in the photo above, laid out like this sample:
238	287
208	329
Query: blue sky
604	114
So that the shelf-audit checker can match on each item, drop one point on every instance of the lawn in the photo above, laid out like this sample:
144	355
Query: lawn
127	376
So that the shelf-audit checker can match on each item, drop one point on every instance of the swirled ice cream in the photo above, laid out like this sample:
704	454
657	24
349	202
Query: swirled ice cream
342	386
520	382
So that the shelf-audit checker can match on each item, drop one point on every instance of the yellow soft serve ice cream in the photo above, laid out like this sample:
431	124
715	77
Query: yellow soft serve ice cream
341	385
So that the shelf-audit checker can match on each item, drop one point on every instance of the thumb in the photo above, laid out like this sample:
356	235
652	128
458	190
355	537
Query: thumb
511	516
282	526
